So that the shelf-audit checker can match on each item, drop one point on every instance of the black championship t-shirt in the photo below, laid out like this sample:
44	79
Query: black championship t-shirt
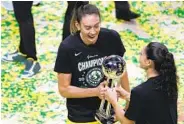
84	63
149	105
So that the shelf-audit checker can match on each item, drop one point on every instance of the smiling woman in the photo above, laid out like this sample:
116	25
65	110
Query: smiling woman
89	25
79	62
89	28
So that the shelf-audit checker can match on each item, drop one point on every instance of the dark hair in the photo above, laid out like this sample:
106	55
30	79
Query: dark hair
82	9
165	66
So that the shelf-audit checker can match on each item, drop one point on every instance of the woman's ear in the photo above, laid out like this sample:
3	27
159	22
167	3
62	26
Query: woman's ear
150	63
77	25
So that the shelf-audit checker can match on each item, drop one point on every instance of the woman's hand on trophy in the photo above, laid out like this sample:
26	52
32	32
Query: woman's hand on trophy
101	89
111	95
123	93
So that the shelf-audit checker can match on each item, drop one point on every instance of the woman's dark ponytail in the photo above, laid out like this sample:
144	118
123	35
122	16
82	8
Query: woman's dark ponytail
165	66
168	71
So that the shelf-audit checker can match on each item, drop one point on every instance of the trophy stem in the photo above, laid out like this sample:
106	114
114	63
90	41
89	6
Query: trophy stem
102	104
108	109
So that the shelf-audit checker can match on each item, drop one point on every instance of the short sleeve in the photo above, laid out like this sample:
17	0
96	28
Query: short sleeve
63	60
120	49
134	110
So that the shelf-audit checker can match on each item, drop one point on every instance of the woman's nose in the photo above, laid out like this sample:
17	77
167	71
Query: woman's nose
93	31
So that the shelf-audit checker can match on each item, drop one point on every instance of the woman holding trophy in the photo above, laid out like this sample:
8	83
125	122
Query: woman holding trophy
79	64
155	100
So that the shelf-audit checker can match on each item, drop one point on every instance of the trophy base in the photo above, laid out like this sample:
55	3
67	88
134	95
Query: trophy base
103	118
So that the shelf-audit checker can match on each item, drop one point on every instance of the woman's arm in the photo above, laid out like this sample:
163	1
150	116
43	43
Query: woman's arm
111	96
124	82
68	91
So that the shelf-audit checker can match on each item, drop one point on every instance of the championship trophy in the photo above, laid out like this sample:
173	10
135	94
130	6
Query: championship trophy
113	68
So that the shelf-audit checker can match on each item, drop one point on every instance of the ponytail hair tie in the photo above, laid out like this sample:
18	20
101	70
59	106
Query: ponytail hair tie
80	4
168	56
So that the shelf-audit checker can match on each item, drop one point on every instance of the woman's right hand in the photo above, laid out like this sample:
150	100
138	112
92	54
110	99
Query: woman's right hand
123	93
111	95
